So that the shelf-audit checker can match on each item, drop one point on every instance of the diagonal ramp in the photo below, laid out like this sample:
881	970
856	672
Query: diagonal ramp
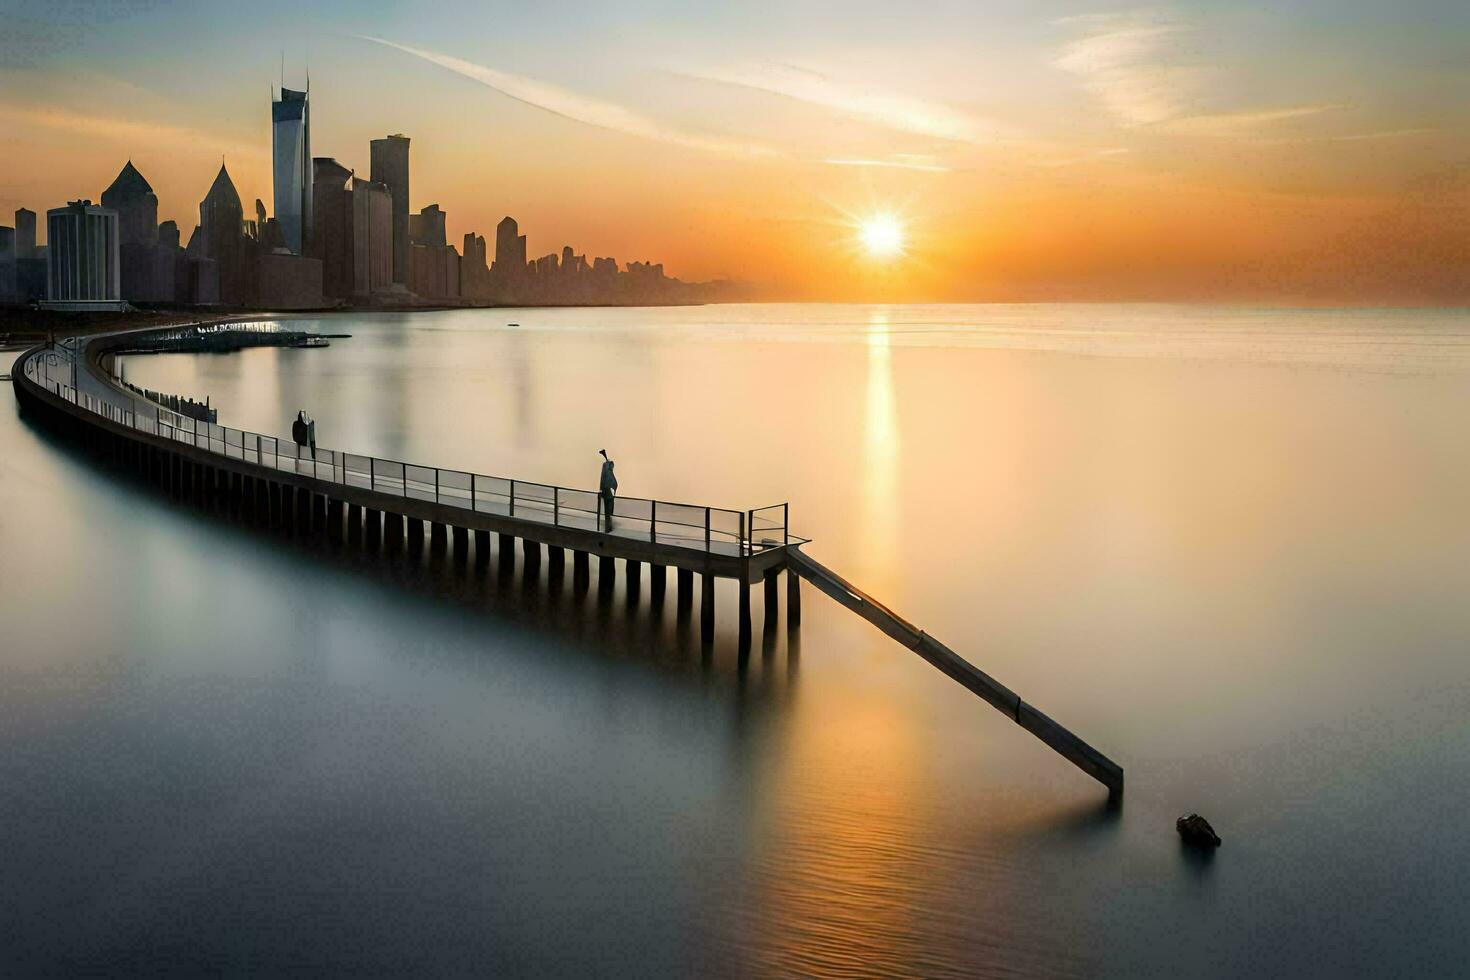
1008	702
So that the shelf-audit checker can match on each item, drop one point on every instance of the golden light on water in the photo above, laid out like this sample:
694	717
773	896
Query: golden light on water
882	236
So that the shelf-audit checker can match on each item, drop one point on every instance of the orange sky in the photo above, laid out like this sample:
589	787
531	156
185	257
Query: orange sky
1029	151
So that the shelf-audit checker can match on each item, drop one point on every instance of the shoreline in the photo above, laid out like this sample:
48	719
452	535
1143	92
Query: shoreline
24	326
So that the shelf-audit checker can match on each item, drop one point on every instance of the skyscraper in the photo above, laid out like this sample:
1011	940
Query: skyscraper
25	233
510	250
291	143
136	205
221	230
82	258
331	238
389	157
148	268
427	227
372	238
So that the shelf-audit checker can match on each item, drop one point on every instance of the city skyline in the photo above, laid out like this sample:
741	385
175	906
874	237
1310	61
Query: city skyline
1059	152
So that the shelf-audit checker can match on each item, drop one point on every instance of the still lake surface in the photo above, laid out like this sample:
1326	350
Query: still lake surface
1226	546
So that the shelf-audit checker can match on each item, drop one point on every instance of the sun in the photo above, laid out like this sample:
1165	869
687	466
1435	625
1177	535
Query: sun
882	236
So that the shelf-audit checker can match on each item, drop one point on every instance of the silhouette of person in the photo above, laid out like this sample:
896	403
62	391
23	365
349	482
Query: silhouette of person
303	432
607	486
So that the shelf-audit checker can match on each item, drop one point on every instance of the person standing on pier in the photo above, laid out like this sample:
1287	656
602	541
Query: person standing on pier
303	432
607	486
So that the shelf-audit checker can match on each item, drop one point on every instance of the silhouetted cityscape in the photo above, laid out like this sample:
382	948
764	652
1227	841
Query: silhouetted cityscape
335	239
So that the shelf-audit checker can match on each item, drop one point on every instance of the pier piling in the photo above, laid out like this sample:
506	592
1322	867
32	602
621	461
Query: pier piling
744	613
770	604
707	608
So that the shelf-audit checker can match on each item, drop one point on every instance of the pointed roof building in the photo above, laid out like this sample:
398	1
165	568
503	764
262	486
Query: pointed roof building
136	206
222	230
128	181
222	193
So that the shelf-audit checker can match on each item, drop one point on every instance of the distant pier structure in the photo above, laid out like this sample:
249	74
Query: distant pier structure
390	505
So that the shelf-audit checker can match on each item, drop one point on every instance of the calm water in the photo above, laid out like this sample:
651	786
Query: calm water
1227	547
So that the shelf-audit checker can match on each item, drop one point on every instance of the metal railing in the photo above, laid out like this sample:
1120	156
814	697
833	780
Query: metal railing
716	530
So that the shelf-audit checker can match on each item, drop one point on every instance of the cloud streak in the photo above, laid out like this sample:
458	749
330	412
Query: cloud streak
1122	59
136	134
1236	123
890	110
1130	63
581	108
931	168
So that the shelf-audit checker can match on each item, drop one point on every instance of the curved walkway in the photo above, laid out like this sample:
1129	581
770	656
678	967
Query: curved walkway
725	542
381	501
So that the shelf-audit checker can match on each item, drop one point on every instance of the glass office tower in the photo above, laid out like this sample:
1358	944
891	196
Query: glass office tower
291	131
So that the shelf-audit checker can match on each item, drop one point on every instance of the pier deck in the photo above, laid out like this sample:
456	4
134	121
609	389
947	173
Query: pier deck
385	503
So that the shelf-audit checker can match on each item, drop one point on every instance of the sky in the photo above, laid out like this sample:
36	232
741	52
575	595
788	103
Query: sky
1316	152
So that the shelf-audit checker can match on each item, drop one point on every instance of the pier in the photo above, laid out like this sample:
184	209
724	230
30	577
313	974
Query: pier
389	505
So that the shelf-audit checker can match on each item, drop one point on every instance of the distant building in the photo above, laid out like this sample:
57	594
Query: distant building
7	264
136	205
510	250
372	238
149	270
434	272
25	233
82	258
331	239
223	239
390	167
288	282
427	227
203	281
474	274
291	153
168	241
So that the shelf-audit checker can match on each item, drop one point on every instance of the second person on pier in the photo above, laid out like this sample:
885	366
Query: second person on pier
607	487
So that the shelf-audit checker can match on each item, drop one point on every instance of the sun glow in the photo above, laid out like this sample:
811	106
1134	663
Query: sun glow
882	236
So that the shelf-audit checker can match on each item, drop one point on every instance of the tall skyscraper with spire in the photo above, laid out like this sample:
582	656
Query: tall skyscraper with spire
291	144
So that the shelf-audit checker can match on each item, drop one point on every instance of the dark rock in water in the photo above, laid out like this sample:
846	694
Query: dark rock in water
1196	831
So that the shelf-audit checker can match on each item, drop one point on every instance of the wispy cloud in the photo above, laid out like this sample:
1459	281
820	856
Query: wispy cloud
1236	123
1090	157
1139	66
1375	136
136	134
1125	61
900	162
583	108
892	110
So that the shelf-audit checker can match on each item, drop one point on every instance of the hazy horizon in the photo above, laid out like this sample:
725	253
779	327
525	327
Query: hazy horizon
1192	152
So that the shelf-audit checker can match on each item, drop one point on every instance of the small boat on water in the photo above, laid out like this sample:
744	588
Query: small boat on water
512	324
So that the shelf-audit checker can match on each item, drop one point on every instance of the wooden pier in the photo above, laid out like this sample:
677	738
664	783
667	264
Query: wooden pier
388	505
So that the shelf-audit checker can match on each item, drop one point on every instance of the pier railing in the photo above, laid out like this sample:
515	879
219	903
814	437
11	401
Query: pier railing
694	526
